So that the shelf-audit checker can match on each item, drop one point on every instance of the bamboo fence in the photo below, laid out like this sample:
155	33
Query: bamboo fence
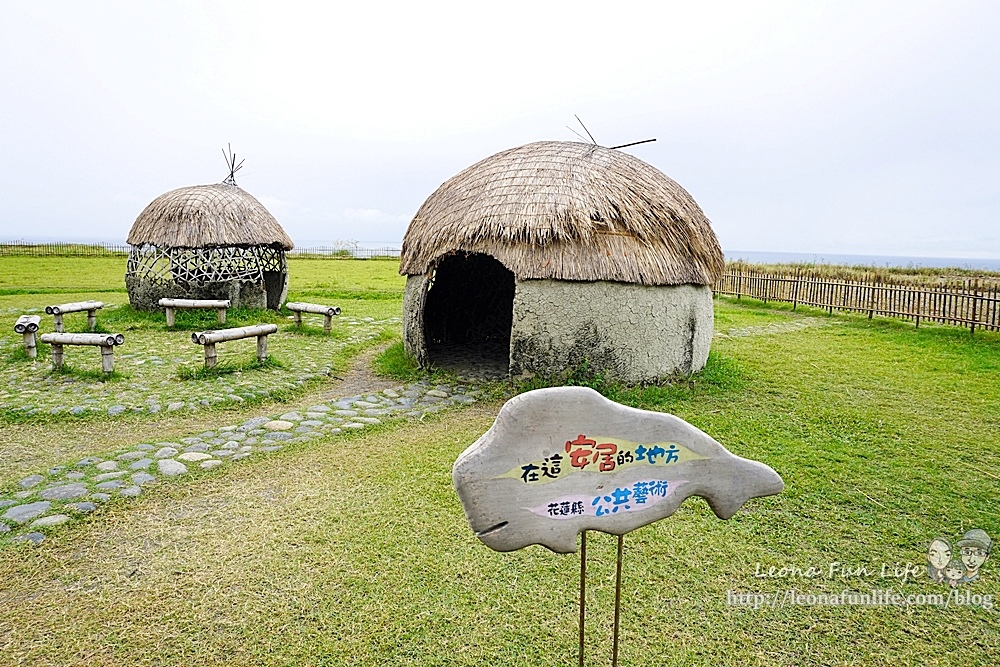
967	302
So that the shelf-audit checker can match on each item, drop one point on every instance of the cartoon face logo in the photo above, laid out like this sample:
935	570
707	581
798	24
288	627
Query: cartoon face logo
975	548
961	564
939	553
974	557
954	572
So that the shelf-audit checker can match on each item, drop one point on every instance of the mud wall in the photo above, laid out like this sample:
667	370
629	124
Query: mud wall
414	300
632	333
144	294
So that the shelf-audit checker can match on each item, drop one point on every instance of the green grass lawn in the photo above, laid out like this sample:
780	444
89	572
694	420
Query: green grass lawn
355	551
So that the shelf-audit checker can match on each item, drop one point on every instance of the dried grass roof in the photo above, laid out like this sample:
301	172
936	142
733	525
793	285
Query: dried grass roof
204	216
569	211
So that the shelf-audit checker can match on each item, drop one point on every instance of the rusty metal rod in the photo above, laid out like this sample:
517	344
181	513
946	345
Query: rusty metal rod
618	601
583	588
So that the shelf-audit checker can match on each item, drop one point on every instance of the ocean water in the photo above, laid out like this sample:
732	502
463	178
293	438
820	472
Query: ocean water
876	261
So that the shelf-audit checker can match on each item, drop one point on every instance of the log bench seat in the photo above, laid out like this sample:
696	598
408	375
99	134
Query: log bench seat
27	325
220	305
91	307
106	342
209	339
326	311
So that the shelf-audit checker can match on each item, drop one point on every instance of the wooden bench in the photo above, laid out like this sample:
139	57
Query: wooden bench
106	342
327	311
169	305
27	325
210	338
90	306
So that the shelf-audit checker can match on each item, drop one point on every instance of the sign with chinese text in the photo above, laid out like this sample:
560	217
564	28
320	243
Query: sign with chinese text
563	460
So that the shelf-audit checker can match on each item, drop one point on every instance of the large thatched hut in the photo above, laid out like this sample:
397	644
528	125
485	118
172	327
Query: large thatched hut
207	242
556	253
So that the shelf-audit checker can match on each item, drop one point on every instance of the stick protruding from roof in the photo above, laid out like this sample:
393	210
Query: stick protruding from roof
231	163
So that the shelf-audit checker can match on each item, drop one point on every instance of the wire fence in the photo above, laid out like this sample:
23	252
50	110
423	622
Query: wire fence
968	302
27	249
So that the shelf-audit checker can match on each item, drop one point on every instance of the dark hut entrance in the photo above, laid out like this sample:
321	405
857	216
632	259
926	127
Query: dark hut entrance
469	313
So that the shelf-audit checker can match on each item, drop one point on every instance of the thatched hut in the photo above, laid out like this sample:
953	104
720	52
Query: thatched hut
556	253
207	242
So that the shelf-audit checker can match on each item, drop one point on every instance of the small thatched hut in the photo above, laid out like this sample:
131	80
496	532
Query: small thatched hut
207	242
556	252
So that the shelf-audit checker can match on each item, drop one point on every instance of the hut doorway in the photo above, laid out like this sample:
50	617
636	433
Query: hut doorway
469	313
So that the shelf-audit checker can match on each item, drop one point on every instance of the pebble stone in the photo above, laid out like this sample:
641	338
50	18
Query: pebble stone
30	481
171	468
142	478
279	425
51	520
110	485
193	457
83	507
24	513
64	492
109	475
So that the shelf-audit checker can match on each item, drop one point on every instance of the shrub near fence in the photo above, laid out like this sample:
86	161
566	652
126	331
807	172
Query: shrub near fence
967	302
26	249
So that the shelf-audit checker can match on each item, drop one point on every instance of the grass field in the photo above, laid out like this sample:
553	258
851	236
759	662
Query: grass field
356	551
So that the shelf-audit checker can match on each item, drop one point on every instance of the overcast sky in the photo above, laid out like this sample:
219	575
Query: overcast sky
840	127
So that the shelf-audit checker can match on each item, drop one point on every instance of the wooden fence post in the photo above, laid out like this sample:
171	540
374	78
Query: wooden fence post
795	288
975	303
871	299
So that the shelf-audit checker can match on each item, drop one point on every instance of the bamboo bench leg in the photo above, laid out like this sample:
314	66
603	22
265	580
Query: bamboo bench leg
327	323
298	318
222	315
261	348
170	316
57	356
30	346
58	322
91	319
210	357
107	358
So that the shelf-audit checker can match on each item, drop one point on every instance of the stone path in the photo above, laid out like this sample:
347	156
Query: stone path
54	497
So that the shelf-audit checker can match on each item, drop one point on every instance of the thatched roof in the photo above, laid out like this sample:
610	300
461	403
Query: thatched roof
207	216
569	211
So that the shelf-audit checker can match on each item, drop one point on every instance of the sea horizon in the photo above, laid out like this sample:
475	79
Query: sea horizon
752	256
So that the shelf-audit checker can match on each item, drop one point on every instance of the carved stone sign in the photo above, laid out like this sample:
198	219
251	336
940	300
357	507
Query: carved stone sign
563	460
